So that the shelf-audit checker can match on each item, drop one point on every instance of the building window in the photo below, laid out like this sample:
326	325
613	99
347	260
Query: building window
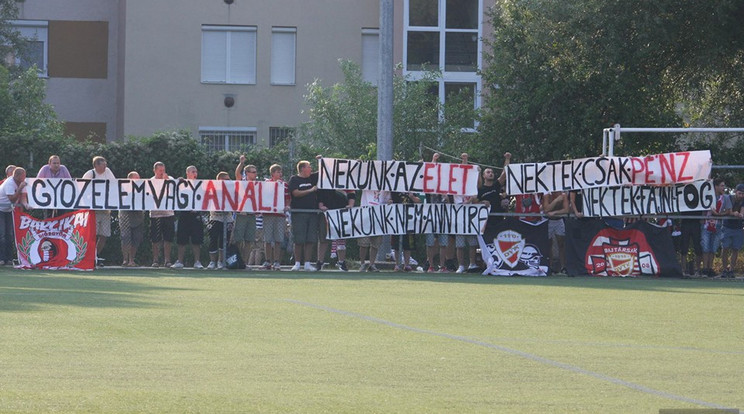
228	54
277	135
442	34
445	35
227	138
35	51
283	53
371	55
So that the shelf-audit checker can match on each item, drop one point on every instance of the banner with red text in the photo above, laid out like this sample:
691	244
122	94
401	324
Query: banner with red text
660	169
156	195
398	176
64	242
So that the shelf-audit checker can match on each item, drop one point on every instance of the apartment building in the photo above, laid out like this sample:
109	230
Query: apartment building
234	72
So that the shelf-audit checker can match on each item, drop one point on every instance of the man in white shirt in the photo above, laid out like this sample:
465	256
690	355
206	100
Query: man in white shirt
103	217
12	191
162	224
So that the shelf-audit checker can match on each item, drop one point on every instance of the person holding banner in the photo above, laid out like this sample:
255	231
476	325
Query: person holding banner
404	242
303	190
732	235
489	193
162	224
12	191
218	220
333	200
710	233
244	232
103	217
132	230
465	243
275	224
190	229
368	246
555	205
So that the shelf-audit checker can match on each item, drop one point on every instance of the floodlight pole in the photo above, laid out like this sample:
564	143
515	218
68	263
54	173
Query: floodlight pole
385	83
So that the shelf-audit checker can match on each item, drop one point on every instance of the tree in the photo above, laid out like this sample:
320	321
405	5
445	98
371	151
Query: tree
10	40
343	117
560	72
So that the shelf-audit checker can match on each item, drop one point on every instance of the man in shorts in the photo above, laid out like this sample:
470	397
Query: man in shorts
303	190
162	224
190	230
103	217
275	224
732	235
244	230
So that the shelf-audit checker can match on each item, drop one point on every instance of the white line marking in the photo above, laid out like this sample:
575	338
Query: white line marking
532	357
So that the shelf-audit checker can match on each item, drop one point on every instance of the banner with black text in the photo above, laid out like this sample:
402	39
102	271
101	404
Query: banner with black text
398	176
579	174
648	200
466	219
155	195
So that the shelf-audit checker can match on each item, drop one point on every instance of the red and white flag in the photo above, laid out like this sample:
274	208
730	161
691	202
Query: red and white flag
64	242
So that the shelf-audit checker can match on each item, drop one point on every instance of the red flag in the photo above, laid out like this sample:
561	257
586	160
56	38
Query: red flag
64	242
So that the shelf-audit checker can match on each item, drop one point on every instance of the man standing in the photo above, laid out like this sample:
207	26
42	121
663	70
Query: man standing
54	169
190	230
710	234
732	235
162	224
244	230
303	190
275	224
368	246
103	217
12	191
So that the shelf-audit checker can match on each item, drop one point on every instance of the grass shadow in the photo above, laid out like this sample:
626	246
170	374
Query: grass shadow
33	290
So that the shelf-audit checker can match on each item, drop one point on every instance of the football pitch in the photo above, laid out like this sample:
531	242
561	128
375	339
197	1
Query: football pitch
142	340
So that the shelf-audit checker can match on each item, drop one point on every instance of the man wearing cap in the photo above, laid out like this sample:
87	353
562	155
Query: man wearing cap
732	235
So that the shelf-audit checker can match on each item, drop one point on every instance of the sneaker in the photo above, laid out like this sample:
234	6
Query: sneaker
277	266
169	264
155	264
412	262
363	267
2	262
296	268
342	266
211	266
266	266
177	265
408	269
396	269
460	269
310	268
319	265
198	265
99	263
443	269
373	268
431	270
220	265
472	266
333	255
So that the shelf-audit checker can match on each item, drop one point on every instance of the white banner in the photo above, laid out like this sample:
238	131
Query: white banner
661	169
398	176
645	200
406	218
155	194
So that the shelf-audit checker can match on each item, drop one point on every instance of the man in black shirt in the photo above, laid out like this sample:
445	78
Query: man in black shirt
490	192
304	192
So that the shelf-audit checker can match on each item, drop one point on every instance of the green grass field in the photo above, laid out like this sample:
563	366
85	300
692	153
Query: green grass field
198	341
